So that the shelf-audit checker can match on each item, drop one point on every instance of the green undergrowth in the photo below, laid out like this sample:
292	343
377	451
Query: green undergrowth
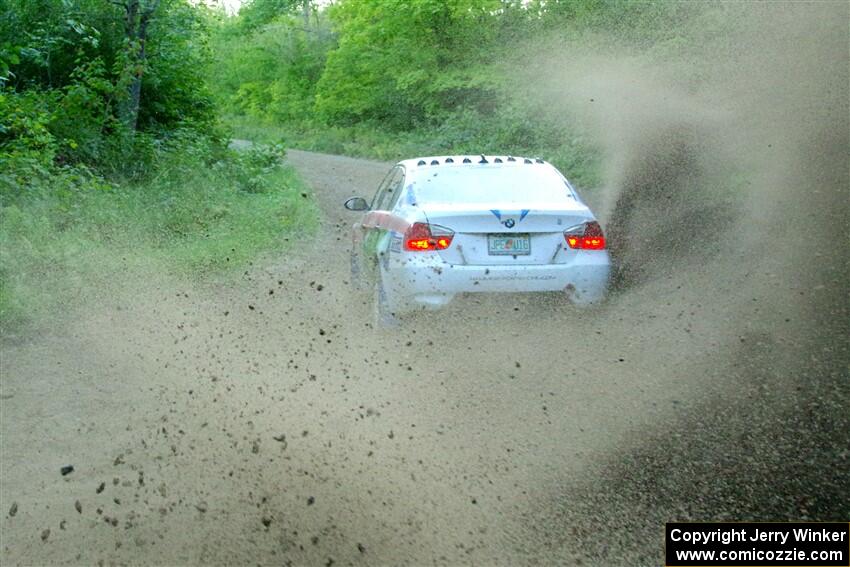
198	212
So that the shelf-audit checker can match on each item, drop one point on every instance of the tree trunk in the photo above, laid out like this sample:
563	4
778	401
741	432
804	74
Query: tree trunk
137	16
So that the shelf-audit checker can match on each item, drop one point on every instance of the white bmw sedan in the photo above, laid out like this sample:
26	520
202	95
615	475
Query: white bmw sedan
439	226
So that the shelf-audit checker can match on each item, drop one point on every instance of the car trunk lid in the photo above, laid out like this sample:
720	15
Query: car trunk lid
506	235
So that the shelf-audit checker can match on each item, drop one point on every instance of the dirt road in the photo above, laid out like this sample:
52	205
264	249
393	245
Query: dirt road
270	423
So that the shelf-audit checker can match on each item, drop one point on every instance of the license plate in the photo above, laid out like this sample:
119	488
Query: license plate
508	244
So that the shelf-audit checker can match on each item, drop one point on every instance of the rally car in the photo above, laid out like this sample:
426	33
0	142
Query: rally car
440	226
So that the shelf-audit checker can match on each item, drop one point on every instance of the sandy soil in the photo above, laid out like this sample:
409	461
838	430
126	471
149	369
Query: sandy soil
269	422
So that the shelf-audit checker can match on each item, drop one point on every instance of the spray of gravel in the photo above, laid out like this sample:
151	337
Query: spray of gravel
726	190
734	137
730	155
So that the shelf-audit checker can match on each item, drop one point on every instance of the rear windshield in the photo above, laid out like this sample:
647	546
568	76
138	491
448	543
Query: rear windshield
488	183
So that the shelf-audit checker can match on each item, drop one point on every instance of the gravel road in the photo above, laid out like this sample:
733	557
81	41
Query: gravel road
268	422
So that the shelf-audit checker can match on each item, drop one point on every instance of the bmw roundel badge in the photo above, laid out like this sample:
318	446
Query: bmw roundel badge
510	223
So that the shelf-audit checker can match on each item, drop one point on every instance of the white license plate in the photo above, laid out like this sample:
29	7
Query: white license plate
508	244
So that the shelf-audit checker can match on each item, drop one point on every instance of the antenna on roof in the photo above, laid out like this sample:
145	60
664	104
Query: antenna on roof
483	159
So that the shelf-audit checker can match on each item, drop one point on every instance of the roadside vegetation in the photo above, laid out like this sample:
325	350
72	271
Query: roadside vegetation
390	79
113	158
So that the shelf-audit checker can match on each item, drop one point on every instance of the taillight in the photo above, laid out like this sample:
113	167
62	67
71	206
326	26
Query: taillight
422	236
585	236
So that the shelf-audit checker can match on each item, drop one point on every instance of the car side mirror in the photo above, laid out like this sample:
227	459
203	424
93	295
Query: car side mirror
357	204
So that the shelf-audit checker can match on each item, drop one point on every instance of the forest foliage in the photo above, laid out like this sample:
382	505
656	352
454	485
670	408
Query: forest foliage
395	78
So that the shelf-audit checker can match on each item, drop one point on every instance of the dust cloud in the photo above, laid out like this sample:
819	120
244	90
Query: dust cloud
726	176
265	419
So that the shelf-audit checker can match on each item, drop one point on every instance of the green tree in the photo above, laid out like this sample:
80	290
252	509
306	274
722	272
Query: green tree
258	13
403	63
269	67
104	68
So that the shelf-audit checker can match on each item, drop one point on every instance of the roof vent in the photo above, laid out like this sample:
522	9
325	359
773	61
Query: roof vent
538	160
511	158
526	160
435	162
483	159
449	160
497	160
420	162
467	160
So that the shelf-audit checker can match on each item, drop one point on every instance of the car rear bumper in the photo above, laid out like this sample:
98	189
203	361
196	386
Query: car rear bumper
425	277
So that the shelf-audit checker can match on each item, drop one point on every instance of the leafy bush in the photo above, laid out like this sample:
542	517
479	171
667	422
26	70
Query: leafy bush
25	119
